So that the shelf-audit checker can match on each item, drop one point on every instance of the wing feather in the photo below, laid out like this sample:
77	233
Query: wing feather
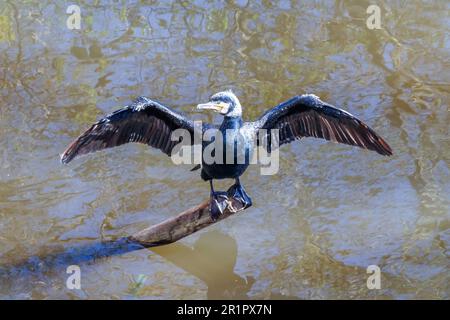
308	116
144	121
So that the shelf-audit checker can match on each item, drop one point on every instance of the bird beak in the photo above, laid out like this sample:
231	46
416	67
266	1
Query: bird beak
220	107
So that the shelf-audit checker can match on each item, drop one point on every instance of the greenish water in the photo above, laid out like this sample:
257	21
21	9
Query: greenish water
314	228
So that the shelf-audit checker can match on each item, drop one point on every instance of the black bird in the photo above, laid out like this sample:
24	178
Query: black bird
149	122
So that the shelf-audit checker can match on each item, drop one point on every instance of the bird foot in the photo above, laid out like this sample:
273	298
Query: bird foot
218	204
237	192
235	199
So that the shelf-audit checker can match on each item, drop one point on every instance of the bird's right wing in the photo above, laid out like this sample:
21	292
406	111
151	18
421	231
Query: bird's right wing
144	121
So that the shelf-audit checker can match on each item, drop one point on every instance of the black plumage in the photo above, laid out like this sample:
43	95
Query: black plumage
144	121
308	116
149	122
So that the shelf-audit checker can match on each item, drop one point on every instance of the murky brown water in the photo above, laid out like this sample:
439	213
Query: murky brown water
314	228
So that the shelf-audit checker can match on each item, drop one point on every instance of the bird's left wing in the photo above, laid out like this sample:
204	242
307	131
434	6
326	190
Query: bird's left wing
144	121
308	116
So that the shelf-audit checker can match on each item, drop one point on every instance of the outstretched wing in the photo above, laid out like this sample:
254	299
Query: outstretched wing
308	116
144	121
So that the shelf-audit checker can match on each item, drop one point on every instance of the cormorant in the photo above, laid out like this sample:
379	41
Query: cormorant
150	122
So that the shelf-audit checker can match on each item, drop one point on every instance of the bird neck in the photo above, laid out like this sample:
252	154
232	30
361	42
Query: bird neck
231	123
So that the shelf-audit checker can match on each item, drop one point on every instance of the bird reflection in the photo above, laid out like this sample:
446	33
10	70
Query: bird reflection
212	260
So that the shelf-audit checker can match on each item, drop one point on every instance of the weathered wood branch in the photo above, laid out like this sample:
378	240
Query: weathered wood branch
168	231
184	224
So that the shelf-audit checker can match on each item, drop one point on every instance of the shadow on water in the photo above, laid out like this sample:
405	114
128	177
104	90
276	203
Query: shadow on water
212	259
56	259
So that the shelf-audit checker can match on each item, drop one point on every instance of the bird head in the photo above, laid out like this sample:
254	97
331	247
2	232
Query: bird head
225	103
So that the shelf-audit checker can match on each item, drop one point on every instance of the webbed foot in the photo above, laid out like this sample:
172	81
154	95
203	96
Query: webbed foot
238	193
218	204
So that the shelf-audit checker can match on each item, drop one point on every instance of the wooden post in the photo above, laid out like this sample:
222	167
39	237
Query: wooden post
184	224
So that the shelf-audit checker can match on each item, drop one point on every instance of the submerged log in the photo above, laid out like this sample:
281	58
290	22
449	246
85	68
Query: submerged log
184	224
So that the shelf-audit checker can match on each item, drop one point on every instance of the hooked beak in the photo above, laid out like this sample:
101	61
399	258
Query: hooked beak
220	107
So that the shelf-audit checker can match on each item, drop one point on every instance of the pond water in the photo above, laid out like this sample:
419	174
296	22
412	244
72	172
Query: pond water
314	228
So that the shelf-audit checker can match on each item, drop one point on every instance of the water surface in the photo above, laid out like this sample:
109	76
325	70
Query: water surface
314	228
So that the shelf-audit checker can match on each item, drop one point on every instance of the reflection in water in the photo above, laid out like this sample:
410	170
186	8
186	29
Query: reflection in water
333	210
212	259
40	267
